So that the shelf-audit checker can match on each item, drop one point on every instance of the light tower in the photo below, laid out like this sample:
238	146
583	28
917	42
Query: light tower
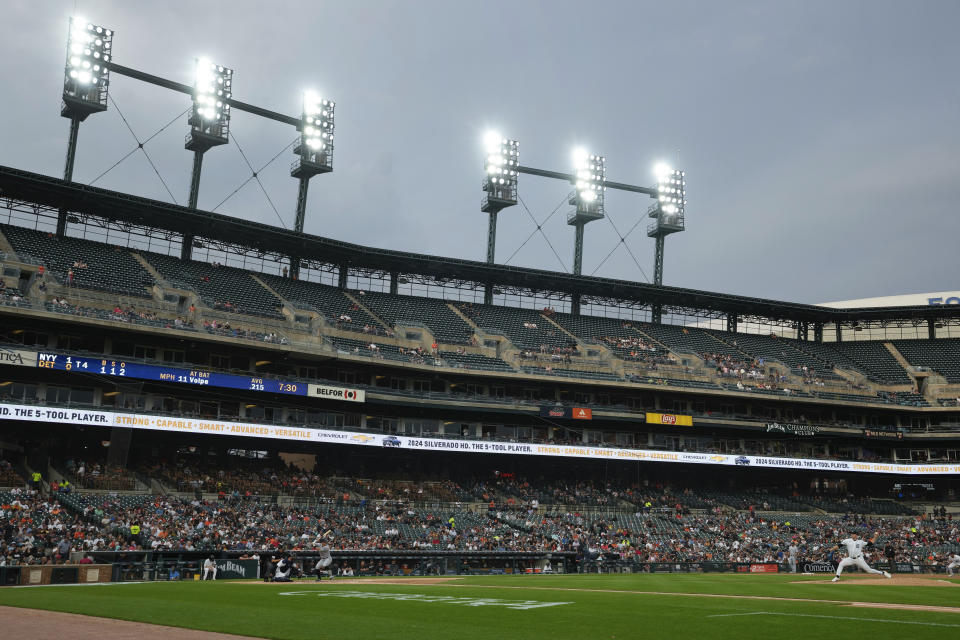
209	125
499	182
315	151
86	82
589	176
667	212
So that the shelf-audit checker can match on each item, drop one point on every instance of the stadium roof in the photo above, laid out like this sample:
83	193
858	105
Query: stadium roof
53	192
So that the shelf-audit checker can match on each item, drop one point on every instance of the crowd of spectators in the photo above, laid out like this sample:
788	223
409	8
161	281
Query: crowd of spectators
663	526
218	327
97	474
728	366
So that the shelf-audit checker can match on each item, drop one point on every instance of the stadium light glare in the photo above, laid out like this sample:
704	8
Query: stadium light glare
500	167
671	189
316	135
87	74
590	171
210	119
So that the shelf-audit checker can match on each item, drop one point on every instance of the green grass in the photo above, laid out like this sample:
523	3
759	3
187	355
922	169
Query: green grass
600	607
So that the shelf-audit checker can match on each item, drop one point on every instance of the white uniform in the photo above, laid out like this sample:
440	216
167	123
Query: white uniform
324	560
209	569
283	571
793	550
954	563
855	557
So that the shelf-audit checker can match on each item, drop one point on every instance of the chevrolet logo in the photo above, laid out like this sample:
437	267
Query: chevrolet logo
361	438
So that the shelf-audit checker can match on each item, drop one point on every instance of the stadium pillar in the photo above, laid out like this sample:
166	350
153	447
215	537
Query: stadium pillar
394	283
299	220
818	332
68	169
301	204
488	293
658	261
492	237
187	247
578	249
342	277
575	303
931	329
732	322
656	313
839	332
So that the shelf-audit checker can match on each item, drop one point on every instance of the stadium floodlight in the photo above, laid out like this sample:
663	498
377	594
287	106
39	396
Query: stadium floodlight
589	177
671	198
315	147
590	173
87	75
667	212
500	172
314	151
210	118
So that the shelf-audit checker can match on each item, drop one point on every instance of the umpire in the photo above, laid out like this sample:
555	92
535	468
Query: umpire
891	553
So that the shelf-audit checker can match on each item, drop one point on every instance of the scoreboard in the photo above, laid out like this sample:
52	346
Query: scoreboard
122	369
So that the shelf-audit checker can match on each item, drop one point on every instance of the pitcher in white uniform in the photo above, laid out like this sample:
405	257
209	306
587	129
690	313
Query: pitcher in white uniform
793	550
855	546
954	563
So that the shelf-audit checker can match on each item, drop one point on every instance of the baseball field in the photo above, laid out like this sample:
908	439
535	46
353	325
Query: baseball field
712	606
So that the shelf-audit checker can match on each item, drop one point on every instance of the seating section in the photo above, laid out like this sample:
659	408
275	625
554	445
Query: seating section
475	361
222	288
446	326
98	266
328	301
13	297
780	349
571	373
115	269
129	315
525	328
384	351
689	340
616	334
875	360
942	355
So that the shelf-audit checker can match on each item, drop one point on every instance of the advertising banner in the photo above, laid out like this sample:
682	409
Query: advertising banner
886	435
794	429
336	393
670	418
18	357
301	433
237	569
767	567
572	413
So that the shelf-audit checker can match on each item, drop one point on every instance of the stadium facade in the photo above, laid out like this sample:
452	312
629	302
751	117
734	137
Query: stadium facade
385	364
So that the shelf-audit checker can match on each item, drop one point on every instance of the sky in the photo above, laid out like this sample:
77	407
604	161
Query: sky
820	140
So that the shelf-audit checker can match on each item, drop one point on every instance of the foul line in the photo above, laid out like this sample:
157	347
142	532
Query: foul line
851	618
